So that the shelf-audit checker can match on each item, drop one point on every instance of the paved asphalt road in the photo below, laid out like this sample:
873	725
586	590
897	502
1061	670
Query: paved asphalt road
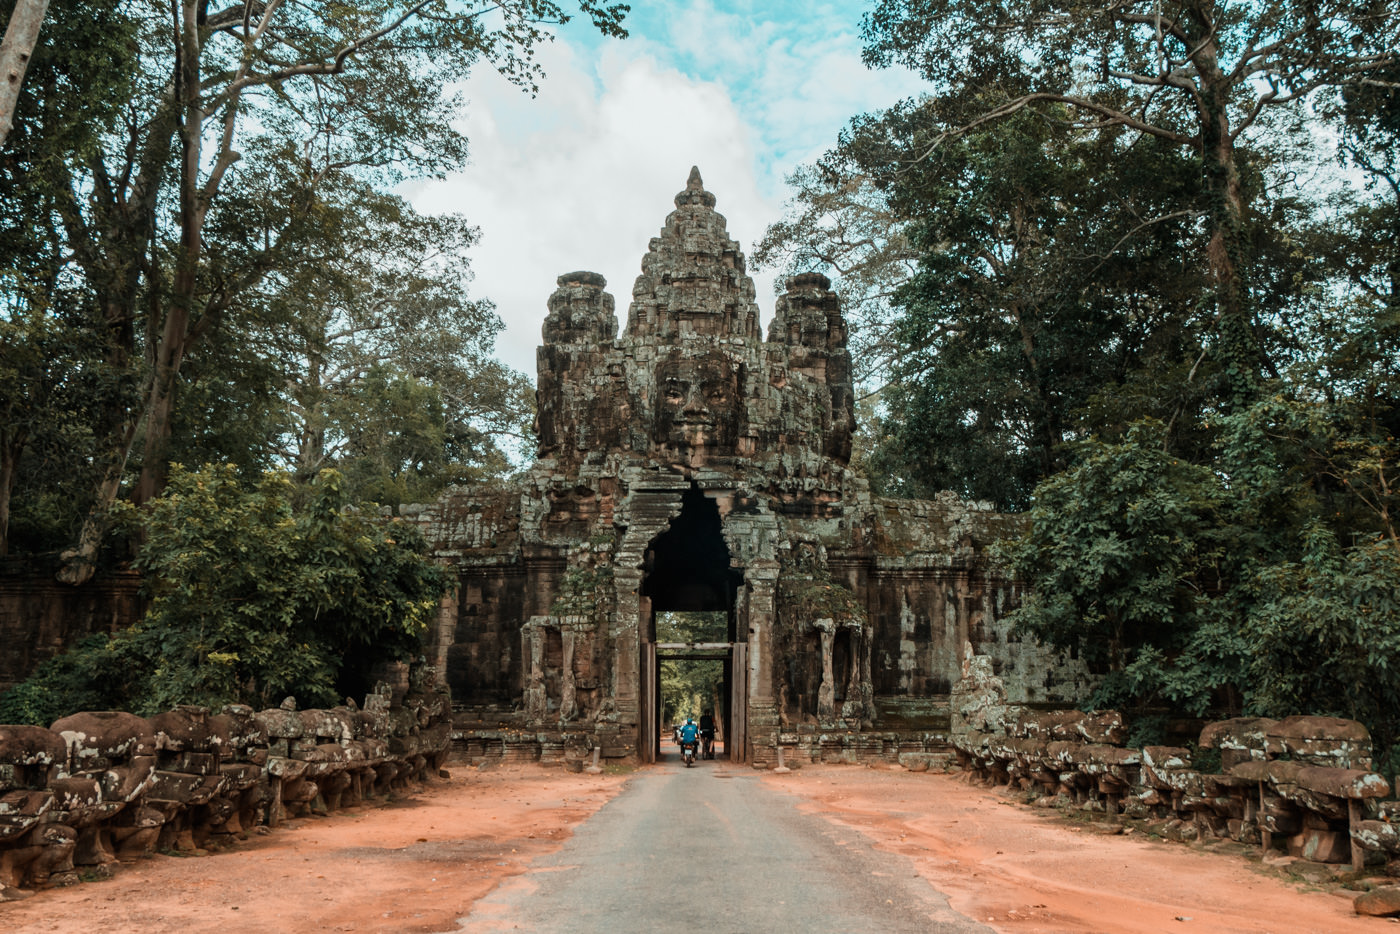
711	849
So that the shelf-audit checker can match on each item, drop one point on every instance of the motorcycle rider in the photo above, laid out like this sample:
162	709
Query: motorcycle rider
707	734
689	734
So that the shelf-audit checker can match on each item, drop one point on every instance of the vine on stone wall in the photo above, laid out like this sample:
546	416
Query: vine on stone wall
587	587
807	592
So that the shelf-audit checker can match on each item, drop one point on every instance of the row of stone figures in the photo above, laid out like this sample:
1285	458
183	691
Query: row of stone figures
1302	782
100	786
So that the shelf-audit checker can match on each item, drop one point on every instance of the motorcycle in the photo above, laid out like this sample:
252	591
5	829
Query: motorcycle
707	748
688	753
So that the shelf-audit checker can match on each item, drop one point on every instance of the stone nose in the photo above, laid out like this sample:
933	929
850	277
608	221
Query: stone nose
695	402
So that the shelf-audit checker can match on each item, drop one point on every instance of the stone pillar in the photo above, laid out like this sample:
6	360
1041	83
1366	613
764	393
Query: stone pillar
626	641
444	630
568	699
854	708
532	649
826	693
867	681
761	584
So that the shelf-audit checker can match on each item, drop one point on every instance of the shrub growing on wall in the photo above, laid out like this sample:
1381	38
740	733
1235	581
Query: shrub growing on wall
255	594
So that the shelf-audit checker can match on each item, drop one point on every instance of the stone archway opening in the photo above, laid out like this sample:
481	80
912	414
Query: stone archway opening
693	659
691	623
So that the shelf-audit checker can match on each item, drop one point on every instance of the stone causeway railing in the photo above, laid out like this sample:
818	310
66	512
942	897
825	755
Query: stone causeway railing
1303	784
100	786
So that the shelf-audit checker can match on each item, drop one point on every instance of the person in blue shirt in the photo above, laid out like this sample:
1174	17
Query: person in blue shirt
689	734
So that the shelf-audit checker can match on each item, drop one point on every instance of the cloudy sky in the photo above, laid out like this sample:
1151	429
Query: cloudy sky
582	176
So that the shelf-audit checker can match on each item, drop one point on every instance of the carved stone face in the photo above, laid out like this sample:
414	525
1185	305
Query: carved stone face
698	404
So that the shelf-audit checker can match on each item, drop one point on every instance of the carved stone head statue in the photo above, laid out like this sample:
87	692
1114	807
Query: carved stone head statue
699	408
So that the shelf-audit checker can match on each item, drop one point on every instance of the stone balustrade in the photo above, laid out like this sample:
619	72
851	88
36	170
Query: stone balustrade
100	786
1302	783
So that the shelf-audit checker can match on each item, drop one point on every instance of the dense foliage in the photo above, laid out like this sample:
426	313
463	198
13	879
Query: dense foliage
1133	269
255	593
202	261
691	686
198	209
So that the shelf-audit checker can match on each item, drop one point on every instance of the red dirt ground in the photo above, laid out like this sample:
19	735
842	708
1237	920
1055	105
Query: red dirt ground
418	864
1020	869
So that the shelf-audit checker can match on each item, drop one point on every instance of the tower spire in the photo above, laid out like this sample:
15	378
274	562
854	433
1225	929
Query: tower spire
693	281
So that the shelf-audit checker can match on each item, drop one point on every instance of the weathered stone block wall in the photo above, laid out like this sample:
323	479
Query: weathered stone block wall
40	618
483	662
925	614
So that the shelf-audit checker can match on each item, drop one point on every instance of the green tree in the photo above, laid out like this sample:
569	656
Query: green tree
1325	633
1261	582
46	382
1201	75
1050	271
366	89
51	371
1370	112
1124	552
253	598
258	593
377	311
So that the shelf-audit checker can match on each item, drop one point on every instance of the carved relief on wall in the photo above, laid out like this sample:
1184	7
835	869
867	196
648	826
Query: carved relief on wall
553	691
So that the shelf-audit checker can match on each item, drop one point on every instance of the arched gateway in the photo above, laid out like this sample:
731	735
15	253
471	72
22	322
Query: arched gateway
689	464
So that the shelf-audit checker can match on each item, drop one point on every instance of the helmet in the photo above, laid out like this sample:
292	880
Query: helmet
689	719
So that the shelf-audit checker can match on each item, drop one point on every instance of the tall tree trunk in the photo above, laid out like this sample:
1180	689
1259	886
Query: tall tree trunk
111	251
10	450
1239	352
311	437
80	562
176	334
161	403
15	51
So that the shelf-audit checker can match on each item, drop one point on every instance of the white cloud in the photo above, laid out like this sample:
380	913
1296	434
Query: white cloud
587	180
582	176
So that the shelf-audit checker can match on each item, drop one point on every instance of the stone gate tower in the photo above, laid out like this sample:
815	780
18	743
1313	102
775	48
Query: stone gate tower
689	464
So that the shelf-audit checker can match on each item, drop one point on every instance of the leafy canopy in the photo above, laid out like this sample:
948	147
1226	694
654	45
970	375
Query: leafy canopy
255	593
